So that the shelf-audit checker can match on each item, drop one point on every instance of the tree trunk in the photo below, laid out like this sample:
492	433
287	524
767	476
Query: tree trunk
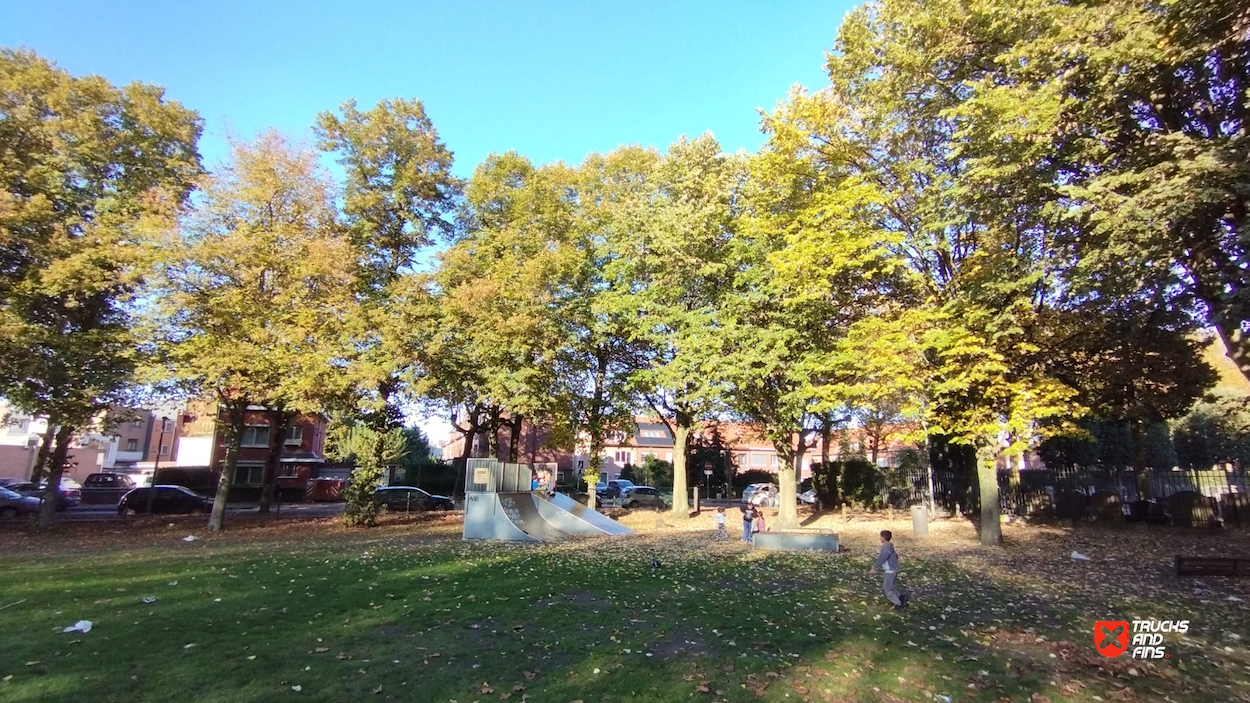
874	436
40	469
234	437
987	475
492	437
826	433
789	459
279	421
1139	457
51	493
514	438
681	435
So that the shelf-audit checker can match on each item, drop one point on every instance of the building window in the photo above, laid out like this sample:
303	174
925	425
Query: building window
652	433
294	435
643	457
740	460
623	457
256	436
132	445
136	422
249	475
854	446
167	425
164	450
772	459
668	456
288	471
759	460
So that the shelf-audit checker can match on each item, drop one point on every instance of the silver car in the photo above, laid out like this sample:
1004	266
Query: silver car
14	504
642	496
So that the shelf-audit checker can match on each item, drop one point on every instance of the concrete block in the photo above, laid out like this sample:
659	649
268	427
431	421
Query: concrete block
810	540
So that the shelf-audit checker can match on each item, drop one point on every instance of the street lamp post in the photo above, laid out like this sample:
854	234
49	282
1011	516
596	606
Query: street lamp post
160	443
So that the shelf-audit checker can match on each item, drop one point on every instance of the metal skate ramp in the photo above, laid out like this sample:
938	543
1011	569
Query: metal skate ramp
570	516
500	505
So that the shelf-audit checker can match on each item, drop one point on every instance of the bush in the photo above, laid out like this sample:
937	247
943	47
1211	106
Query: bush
652	472
433	477
1191	509
826	478
746	478
861	483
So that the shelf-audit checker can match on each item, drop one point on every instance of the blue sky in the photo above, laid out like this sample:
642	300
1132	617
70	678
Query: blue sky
553	80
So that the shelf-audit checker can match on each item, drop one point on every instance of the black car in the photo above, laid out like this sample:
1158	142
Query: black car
613	489
409	498
106	487
166	499
66	497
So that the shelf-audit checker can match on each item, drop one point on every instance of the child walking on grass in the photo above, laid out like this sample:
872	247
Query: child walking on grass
887	559
721	534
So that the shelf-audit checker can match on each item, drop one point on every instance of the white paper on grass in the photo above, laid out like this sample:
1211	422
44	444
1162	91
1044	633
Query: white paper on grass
80	626
1077	556
190	538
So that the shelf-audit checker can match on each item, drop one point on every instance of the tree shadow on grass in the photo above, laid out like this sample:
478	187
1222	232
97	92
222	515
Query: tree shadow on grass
343	615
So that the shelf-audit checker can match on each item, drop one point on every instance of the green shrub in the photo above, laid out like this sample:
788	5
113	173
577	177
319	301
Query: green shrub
826	478
861	483
746	478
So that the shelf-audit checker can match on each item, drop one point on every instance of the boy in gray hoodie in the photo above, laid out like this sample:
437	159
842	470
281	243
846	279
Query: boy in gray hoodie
887	559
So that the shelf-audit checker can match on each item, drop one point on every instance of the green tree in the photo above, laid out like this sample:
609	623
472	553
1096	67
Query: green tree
399	196
887	143
87	171
495	349
1128	117
253	291
596	350
1215	431
371	452
671	268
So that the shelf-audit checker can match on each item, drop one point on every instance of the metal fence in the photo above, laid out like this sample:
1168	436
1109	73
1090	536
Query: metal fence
1193	498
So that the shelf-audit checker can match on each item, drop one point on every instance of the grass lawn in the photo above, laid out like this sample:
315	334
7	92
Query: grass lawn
408	611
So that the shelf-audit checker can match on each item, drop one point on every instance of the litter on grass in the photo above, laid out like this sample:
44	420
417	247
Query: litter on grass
190	538
80	626
1077	556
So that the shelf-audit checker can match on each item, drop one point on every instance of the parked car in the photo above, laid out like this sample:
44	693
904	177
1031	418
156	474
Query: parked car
13	504
165	499
614	488
106	487
762	494
410	498
642	497
67	497
808	497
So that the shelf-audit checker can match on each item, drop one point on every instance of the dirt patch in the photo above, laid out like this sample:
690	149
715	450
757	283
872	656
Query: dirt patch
585	599
679	645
